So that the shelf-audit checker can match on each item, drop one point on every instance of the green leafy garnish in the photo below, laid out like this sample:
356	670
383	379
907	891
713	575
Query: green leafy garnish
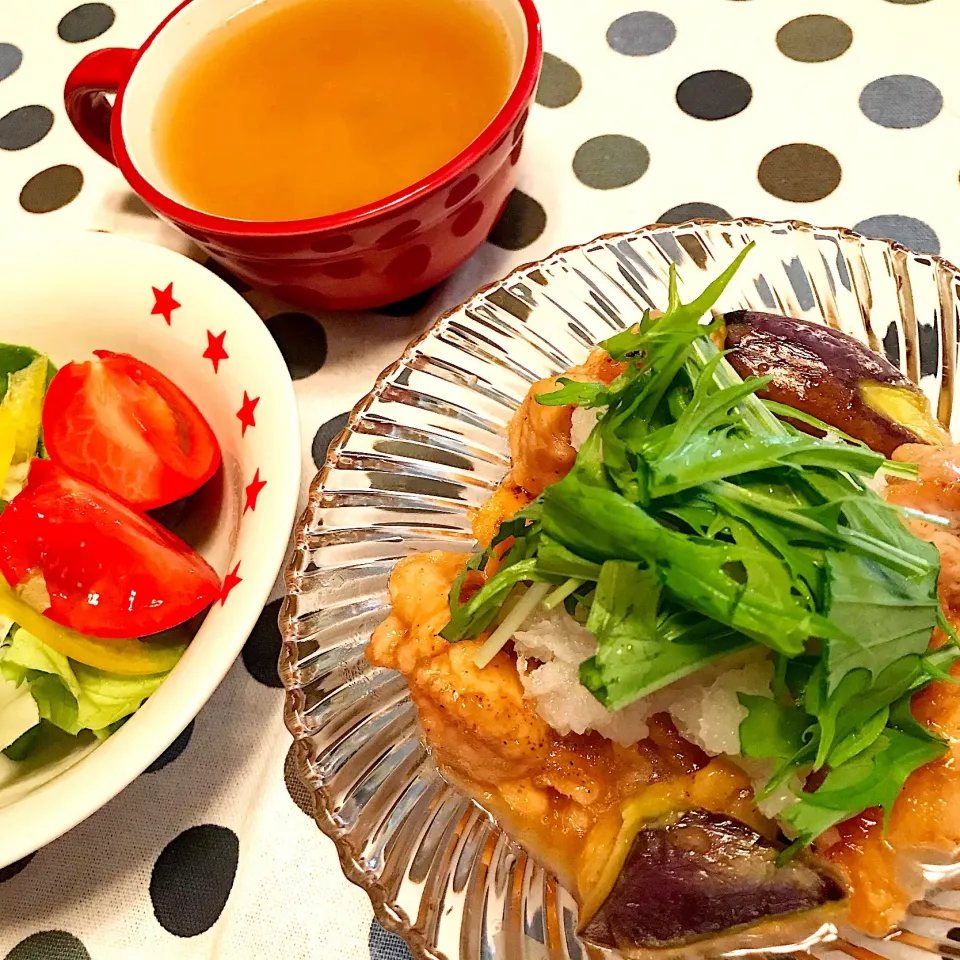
873	778
771	730
698	521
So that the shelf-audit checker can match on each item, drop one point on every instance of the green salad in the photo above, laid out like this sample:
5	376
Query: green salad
86	570
697	522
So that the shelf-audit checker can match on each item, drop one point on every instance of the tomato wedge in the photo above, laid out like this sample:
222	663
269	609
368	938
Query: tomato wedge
109	571
122	425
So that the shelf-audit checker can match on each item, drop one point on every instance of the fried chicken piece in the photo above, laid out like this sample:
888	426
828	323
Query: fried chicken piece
539	435
540	445
507	500
477	720
937	489
419	588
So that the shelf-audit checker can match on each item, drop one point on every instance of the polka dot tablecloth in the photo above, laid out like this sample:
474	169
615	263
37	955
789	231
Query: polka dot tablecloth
660	110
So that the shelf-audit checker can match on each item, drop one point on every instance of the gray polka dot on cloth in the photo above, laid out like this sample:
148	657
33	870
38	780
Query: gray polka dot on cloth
51	189
85	22
814	38
384	945
909	231
695	210
10	59
299	792
522	221
714	95
408	306
25	126
901	101
302	341
801	172
174	750
261	652
559	82
641	33
11	870
321	442
610	161
49	945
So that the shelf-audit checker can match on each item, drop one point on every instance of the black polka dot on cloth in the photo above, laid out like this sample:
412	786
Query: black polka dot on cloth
219	270
49	945
801	172
559	82
302	341
901	101
610	161
25	126
51	189
409	305
85	22
299	792
814	39
192	879
714	95
695	210
929	349
953	933
891	345
384	945
10	59
261	652
325	436
132	204
520	224
909	231
11	870
173	751
641	33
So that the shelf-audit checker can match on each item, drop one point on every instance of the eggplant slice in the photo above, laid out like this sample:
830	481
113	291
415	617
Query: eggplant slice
705	876
832	376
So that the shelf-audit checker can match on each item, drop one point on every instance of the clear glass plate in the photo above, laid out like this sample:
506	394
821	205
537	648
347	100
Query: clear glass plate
428	445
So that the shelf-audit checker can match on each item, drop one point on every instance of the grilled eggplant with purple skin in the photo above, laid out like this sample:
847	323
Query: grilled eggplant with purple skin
707	878
833	377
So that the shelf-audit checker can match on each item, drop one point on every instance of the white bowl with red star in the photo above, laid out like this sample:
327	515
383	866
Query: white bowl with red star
67	296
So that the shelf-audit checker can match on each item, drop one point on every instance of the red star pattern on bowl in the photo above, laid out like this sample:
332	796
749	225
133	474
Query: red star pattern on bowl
215	351
163	303
252	491
229	582
245	413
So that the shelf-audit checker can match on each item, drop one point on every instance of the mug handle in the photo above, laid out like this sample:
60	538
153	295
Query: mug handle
84	95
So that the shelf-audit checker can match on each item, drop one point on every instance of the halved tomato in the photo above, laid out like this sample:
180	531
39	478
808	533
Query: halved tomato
108	571
122	425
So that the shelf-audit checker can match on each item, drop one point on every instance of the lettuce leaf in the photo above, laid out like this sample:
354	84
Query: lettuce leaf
71	695
18	712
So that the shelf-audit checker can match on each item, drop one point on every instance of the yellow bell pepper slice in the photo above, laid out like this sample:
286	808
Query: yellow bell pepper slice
114	656
23	403
8	443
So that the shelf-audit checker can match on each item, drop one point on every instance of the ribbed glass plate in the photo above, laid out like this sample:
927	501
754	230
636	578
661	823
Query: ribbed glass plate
426	447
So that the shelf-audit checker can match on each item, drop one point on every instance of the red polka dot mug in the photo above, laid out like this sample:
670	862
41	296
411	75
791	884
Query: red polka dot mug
369	256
